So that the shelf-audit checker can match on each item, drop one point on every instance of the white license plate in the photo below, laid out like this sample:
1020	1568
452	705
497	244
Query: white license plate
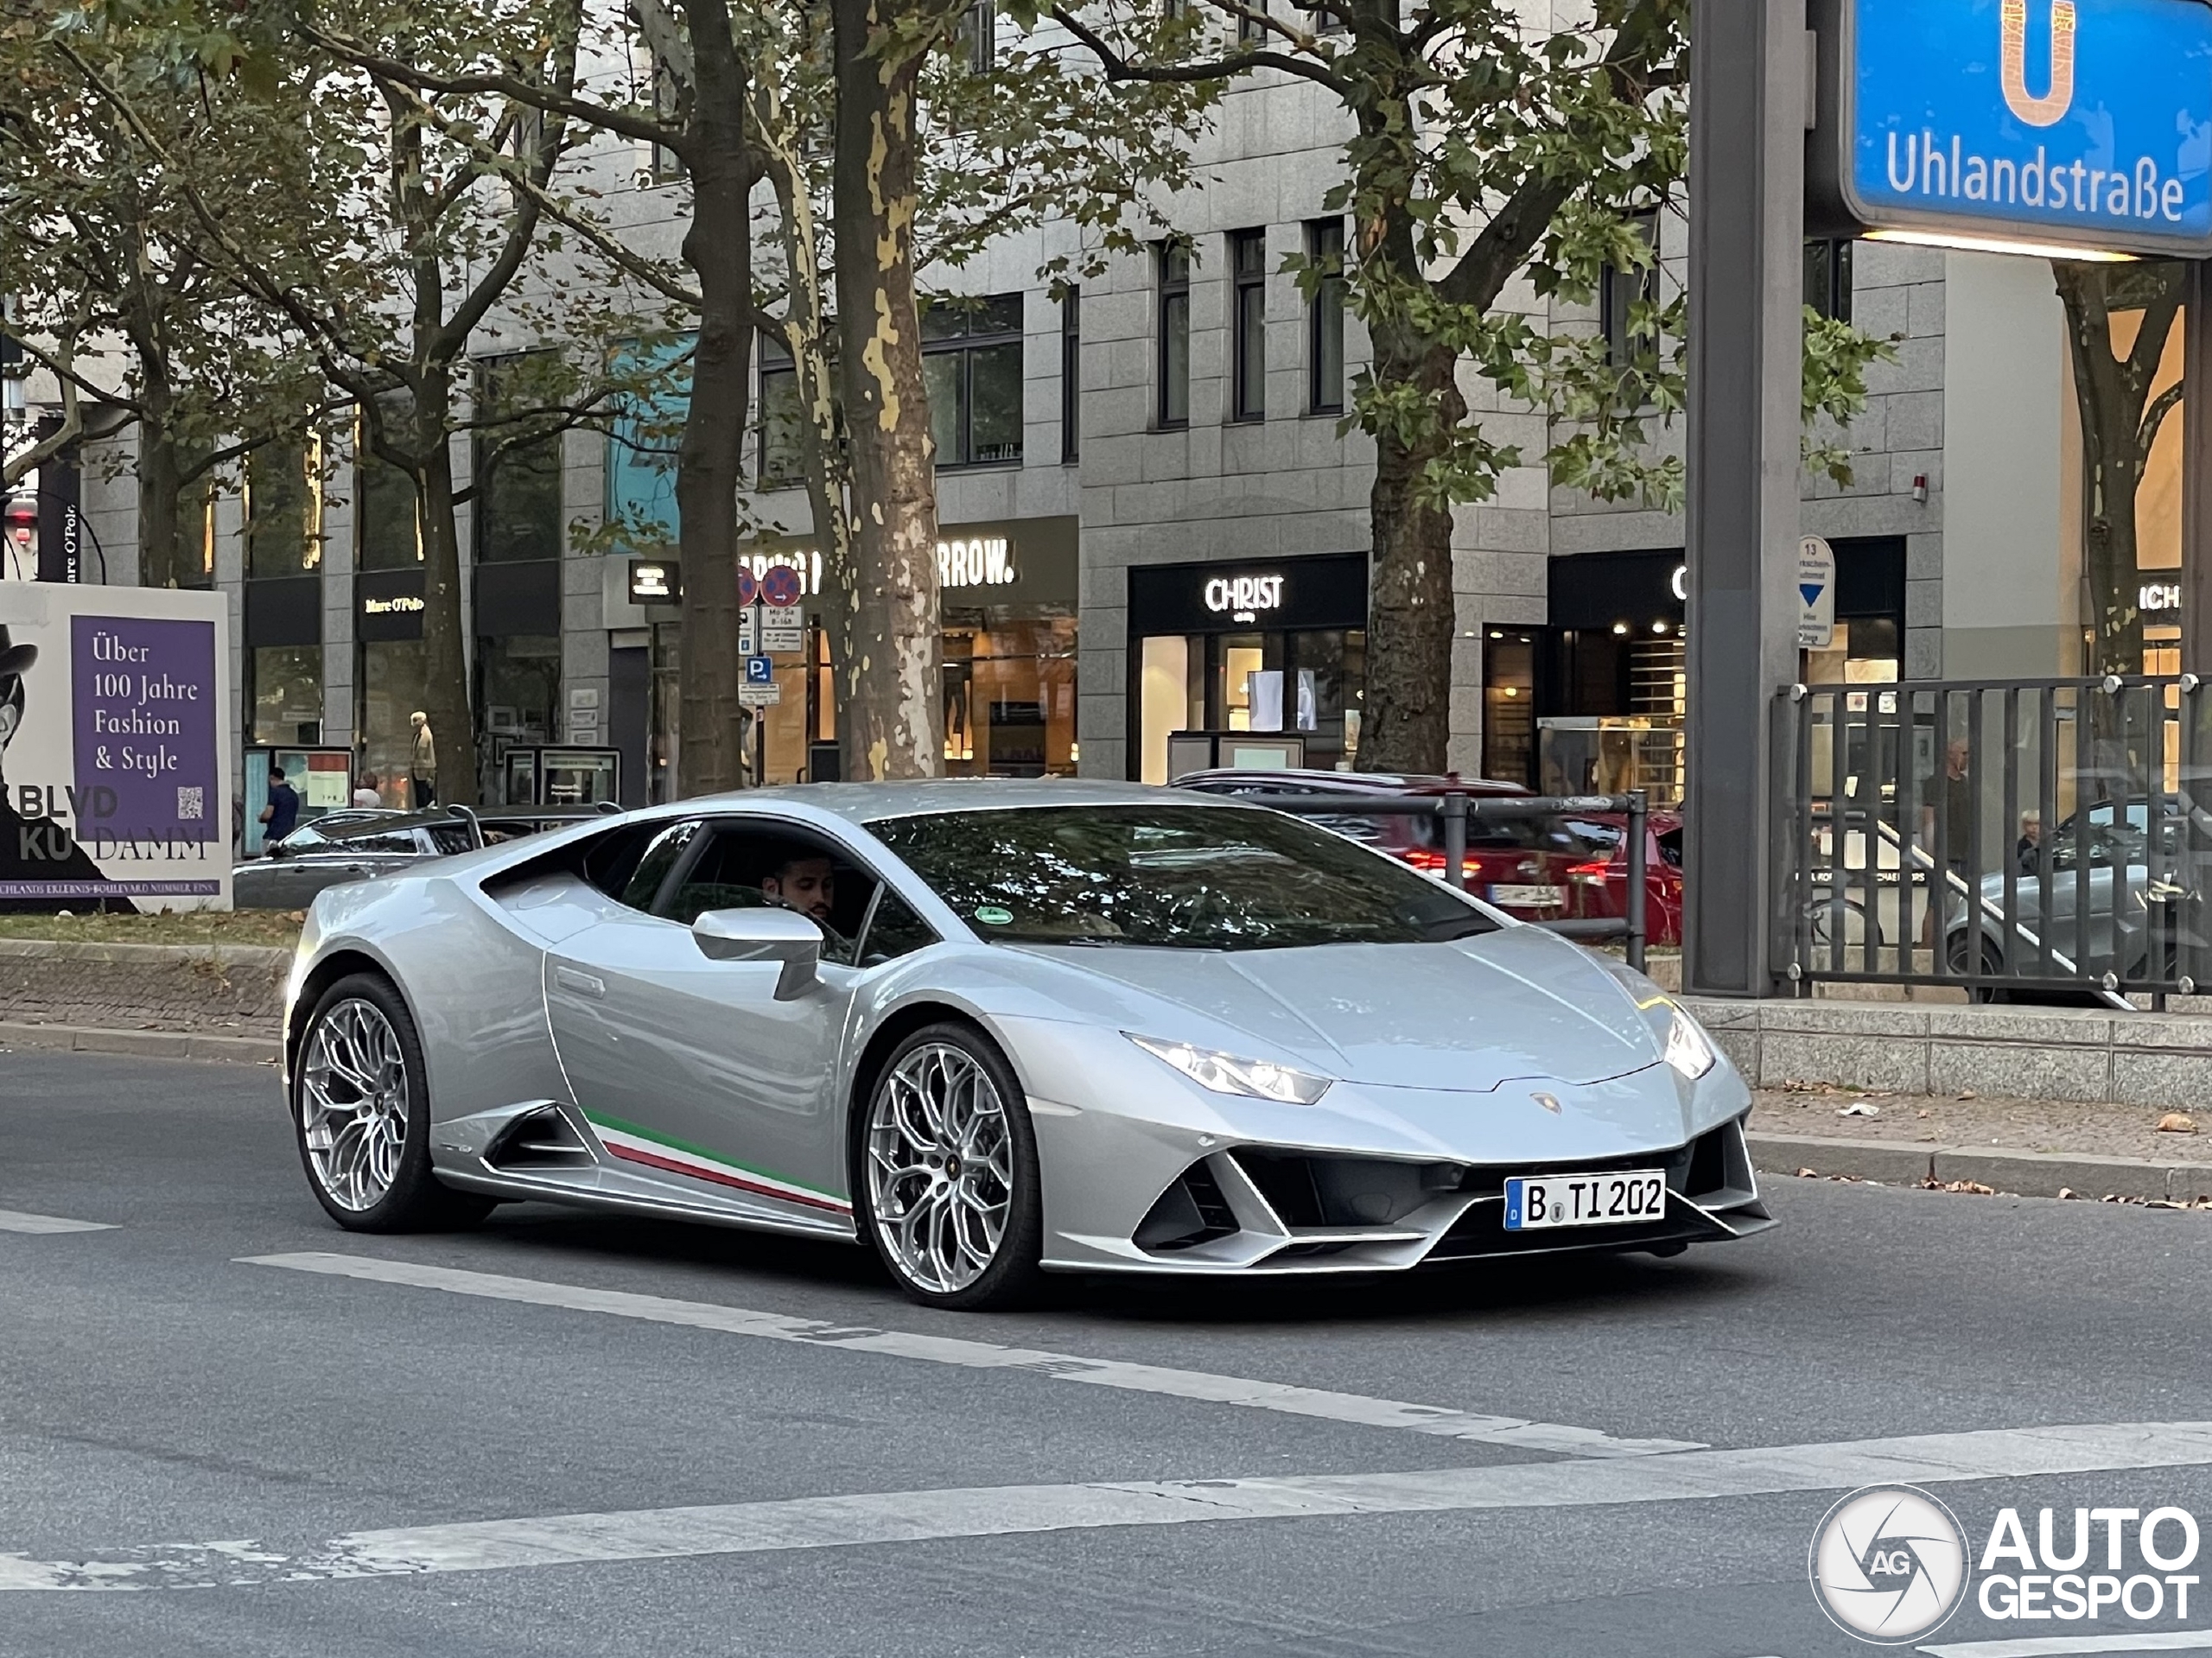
1619	1198
1530	897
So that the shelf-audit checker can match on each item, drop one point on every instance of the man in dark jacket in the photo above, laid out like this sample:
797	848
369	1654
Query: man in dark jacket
34	848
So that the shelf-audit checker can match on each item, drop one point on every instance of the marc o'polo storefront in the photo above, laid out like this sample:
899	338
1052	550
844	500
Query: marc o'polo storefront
1278	644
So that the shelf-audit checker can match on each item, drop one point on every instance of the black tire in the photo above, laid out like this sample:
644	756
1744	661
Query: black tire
1012	1277
1993	964
413	1199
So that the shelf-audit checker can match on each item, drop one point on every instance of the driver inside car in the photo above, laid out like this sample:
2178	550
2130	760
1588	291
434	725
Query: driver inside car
807	885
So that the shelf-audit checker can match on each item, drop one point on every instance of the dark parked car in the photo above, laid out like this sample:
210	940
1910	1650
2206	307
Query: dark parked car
356	845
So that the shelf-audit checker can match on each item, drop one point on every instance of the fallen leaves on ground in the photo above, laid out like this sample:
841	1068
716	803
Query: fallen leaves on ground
2177	1122
1974	1186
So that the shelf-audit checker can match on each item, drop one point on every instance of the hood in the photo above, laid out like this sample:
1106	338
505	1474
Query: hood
1464	1015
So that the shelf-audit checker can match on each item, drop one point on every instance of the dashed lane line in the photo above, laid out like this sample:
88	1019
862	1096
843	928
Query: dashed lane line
817	1522
2062	1646
1438	1420
14	1220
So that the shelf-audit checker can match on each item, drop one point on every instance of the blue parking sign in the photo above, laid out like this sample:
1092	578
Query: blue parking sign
760	670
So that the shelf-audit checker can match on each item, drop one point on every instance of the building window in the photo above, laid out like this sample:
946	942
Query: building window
1325	317
780	459
1621	291
1247	276
1072	375
1174	375
1827	279
1250	29
971	366
283	508
387	533
518	469
195	533
974	37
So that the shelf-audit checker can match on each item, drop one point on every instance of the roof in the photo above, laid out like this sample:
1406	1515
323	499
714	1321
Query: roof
1385	783
862	802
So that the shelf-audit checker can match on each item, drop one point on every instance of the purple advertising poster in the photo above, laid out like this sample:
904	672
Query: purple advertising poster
144	692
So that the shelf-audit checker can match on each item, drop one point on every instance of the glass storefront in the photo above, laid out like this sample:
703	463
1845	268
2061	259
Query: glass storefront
1274	647
1594	702
286	683
1009	695
1007	597
392	684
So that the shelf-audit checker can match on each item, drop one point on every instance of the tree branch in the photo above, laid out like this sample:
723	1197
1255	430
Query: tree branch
1119	68
584	110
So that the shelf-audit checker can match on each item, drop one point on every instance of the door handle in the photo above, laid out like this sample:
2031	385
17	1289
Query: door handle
583	983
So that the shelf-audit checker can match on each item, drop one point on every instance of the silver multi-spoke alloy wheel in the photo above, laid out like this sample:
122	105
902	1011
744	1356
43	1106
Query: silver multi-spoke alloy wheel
353	1102
940	1167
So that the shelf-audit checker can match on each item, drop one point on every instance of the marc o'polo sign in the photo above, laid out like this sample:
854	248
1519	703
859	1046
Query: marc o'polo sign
2076	124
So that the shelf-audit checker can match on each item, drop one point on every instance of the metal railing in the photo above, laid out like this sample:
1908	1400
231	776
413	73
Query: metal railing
1454	812
2029	838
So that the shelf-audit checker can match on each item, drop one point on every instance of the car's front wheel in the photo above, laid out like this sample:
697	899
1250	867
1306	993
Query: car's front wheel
949	1183
361	1108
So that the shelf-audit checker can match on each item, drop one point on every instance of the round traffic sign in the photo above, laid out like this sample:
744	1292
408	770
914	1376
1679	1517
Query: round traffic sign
748	588
780	586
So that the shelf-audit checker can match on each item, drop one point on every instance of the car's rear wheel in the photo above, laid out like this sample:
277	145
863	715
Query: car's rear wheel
361	1108
949	1183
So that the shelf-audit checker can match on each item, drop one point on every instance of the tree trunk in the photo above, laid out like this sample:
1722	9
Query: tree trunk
161	541
1410	622
892	714
445	659
719	249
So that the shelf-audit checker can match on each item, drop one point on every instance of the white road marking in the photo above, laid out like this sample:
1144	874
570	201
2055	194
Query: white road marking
1357	1408
2057	1645
14	1220
913	1516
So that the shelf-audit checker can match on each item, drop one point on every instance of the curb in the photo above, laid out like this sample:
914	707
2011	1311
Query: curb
267	958
146	1045
2027	1174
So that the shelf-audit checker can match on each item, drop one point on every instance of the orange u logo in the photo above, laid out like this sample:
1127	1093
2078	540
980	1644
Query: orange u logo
2012	19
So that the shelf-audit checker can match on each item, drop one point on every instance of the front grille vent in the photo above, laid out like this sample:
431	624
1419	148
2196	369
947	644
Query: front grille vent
1190	1212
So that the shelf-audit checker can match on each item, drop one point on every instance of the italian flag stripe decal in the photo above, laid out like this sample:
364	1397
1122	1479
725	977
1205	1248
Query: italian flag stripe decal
627	1141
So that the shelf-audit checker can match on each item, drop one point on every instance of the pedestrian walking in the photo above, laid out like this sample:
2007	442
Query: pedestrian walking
422	764
282	814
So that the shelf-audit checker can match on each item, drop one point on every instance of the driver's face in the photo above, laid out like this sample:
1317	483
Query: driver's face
806	885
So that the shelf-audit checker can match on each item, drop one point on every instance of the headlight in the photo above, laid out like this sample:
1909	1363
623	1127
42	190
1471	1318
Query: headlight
1224	1073
1687	1050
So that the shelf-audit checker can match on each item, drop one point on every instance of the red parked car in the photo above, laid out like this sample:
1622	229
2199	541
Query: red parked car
1536	869
1599	883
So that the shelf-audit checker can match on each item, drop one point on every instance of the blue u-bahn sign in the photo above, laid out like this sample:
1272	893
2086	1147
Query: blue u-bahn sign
2086	124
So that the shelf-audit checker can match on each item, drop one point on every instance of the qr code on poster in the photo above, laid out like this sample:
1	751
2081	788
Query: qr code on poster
191	805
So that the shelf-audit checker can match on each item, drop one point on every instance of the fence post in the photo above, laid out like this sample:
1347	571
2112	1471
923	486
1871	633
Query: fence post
1639	817
1455	839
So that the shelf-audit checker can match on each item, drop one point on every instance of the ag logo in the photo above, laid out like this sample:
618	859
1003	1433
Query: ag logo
1889	1564
2013	66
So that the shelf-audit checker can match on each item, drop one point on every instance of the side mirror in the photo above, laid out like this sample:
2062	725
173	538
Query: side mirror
765	934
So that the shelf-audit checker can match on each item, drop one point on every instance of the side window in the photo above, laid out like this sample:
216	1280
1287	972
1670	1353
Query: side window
644	881
894	930
610	860
752	866
394	841
1671	848
454	840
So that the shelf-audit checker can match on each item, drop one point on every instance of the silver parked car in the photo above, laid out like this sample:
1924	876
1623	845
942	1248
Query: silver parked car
361	843
995	1028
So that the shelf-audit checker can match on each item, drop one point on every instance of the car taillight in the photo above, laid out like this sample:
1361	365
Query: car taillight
1435	863
1589	875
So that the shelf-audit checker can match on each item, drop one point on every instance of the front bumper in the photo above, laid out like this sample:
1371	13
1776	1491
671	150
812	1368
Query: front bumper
1247	1210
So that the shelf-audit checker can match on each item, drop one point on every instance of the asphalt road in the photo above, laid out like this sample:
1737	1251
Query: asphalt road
472	1443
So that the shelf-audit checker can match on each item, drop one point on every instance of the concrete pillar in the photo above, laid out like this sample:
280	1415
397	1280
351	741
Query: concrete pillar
1746	198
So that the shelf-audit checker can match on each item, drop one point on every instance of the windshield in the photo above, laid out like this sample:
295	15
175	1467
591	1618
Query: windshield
1184	877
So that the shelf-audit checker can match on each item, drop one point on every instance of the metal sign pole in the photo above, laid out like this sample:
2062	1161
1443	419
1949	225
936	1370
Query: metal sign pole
1746	207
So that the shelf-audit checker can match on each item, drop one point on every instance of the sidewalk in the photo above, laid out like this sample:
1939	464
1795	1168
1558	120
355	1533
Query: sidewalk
2044	1148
